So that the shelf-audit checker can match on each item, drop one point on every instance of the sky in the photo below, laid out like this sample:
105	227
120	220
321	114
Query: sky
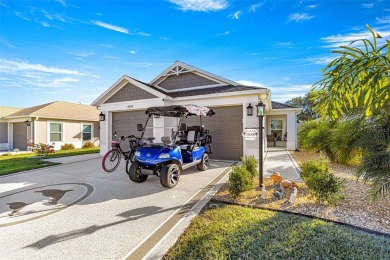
73	50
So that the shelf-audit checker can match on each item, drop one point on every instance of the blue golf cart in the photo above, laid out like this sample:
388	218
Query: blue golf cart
184	148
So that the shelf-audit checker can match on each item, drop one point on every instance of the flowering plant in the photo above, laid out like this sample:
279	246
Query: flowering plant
42	149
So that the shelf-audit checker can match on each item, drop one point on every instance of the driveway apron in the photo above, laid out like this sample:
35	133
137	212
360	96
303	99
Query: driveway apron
78	211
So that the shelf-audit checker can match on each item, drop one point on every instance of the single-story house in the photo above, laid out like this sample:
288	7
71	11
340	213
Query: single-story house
124	104
52	123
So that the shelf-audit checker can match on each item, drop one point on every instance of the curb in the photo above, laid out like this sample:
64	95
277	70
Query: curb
370	231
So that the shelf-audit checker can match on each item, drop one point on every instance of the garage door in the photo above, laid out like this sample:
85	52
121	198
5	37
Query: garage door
226	129
125	123
20	136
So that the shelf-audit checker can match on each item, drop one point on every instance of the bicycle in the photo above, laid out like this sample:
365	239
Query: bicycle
113	157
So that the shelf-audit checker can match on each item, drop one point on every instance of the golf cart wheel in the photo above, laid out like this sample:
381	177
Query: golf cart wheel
134	172
203	165
170	175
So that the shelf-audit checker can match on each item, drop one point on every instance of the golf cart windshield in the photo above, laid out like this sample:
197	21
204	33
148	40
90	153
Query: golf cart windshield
180	111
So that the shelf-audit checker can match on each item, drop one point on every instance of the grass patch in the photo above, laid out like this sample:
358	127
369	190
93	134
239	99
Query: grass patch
234	232
23	162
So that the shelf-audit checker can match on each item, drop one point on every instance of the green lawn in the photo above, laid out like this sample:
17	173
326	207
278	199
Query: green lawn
22	162
235	232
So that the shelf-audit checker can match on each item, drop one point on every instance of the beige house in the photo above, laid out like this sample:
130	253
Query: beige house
52	123
124	104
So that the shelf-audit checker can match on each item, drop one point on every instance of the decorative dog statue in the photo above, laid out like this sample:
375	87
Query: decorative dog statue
288	184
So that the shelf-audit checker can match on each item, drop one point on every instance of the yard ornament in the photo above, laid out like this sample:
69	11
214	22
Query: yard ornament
278	191
263	193
293	196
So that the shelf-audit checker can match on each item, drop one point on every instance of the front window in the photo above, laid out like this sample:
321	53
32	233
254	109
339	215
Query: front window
87	132
55	132
277	129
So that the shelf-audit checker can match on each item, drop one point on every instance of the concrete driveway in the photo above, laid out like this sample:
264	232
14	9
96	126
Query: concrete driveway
77	211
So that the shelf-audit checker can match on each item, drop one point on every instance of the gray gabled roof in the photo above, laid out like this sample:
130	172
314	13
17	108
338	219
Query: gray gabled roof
277	105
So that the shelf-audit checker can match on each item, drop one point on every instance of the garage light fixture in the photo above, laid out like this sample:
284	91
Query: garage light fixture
249	110
102	116
28	123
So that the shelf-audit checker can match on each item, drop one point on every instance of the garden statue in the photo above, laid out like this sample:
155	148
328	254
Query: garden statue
278	191
263	192
293	196
288	184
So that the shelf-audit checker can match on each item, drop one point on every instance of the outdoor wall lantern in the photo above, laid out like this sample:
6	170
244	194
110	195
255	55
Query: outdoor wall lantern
260	114
28	123
249	110
102	116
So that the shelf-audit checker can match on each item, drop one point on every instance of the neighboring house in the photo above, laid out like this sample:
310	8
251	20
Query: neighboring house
124	105
52	123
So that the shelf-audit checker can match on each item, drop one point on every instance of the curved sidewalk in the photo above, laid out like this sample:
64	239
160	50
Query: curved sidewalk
280	160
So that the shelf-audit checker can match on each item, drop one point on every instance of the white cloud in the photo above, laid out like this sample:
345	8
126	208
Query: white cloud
251	83
110	27
320	60
252	8
6	43
201	5
45	24
10	66
236	15
309	7
53	17
299	17
383	20
335	41
368	6
254	53
144	34
283	45
81	54
163	38
222	34
62	2
18	14
133	52
28	75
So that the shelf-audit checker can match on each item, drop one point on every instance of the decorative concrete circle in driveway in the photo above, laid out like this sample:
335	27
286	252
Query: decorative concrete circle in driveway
38	202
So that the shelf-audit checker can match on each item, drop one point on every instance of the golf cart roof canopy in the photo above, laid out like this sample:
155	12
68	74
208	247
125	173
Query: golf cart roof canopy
179	111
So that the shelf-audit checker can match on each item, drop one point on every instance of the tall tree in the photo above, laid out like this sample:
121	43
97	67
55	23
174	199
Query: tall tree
306	104
357	86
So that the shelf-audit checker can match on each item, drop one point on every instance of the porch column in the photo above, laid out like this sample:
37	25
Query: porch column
291	131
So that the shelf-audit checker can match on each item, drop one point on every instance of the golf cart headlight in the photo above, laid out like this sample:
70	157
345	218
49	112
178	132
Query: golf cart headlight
164	156
137	153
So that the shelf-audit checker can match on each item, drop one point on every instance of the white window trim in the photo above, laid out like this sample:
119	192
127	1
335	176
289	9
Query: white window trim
81	131
62	134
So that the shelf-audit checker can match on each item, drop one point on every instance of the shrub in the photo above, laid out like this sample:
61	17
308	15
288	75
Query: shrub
313	166
88	145
251	164
315	136
67	147
42	149
239	180
322	184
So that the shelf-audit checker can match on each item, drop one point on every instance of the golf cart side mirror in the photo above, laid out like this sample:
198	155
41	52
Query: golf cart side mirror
139	127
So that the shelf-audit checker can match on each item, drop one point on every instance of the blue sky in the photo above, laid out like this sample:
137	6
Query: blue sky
73	50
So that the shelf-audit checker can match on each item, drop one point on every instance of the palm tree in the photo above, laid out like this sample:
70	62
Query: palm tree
356	86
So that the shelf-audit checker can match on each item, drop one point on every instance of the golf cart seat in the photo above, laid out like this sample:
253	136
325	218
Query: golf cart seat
192	137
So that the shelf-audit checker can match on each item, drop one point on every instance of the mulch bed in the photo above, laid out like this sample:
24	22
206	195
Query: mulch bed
357	209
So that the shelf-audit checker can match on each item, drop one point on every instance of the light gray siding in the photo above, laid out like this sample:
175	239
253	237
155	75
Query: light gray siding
185	80
128	93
